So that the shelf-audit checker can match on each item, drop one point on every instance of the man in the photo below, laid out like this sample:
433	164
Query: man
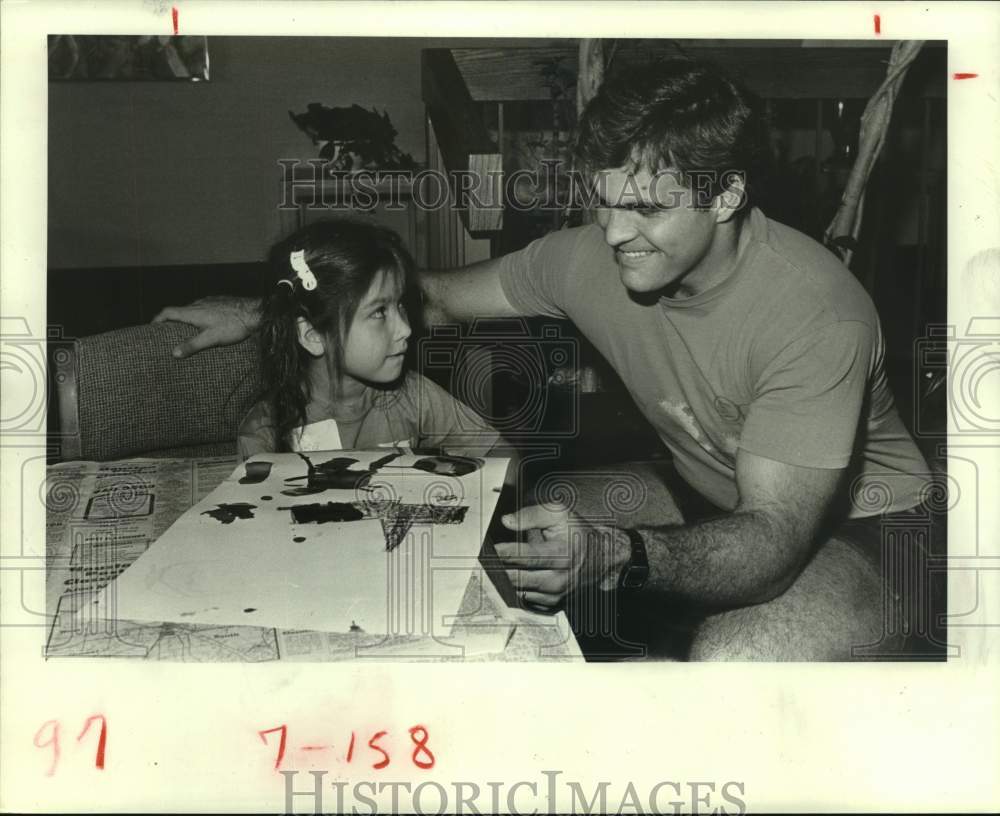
750	349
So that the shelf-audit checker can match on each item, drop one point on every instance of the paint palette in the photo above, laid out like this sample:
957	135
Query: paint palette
323	541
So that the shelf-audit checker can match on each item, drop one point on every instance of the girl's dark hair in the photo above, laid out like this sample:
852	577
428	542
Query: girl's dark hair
677	114
345	256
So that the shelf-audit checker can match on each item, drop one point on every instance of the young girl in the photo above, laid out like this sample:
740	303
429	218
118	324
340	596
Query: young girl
334	337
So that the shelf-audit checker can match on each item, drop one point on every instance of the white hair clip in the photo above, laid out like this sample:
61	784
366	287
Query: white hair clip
298	261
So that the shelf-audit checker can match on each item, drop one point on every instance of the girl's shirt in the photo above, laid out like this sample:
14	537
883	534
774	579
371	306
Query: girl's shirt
417	414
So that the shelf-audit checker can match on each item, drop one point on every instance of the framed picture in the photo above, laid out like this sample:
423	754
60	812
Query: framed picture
101	57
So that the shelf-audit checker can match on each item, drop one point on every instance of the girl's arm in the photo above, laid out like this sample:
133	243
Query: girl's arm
451	425
255	434
446	422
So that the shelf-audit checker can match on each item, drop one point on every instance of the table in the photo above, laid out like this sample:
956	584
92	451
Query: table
102	516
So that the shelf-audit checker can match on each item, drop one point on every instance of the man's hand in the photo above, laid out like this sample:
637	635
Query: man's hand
564	553
223	320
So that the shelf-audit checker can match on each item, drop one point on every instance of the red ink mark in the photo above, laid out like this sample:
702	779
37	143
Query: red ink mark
420	746
371	744
314	747
281	742
878	24
350	748
102	740
964	76
53	741
173	13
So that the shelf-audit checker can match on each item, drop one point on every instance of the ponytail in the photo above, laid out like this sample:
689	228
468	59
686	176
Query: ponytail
282	365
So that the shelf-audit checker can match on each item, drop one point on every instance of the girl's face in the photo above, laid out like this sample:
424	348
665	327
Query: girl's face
376	341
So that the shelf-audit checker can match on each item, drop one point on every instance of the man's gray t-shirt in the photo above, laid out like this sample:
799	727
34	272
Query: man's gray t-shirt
784	358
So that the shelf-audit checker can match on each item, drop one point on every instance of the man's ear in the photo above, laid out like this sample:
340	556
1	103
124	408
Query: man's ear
733	197
310	339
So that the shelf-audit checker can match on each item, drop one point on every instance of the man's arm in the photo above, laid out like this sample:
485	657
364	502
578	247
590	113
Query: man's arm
449	296
460	295
746	557
223	321
754	553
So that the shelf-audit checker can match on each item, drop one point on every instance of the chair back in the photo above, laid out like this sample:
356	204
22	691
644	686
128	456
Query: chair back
122	394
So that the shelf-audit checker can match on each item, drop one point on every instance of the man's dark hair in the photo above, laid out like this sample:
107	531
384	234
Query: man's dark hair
677	114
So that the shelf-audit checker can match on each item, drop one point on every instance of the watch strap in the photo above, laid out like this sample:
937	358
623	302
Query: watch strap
636	571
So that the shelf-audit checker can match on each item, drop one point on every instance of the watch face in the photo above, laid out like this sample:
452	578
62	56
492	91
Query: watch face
634	576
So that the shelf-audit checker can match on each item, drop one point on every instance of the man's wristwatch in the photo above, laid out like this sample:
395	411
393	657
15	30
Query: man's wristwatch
636	571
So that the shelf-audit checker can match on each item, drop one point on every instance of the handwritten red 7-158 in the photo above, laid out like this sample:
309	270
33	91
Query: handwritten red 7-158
420	755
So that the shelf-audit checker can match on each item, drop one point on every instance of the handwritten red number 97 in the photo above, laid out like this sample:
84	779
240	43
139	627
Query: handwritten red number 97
52	740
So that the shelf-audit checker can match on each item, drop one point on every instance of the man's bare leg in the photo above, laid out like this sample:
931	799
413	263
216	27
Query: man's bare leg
835	606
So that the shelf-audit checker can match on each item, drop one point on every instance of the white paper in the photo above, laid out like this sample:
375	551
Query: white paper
265	569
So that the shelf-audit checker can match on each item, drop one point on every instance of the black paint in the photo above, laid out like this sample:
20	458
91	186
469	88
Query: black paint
299	539
335	474
228	513
324	513
302	491
397	518
448	465
256	472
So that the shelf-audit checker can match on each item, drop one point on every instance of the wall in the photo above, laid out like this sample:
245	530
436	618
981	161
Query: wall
161	173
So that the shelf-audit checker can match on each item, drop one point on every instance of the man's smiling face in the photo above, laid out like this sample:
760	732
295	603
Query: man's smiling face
660	238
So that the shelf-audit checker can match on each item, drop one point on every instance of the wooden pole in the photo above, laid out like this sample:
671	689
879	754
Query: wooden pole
590	72
842	234
589	76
